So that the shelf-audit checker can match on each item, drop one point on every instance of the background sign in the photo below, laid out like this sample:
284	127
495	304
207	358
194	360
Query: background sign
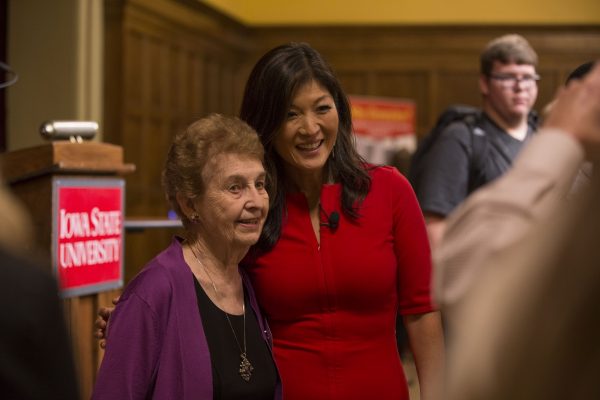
384	127
87	251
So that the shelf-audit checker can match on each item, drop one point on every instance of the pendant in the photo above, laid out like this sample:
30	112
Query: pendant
245	367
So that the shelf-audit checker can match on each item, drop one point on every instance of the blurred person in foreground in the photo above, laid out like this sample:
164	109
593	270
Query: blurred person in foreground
527	329
36	360
500	215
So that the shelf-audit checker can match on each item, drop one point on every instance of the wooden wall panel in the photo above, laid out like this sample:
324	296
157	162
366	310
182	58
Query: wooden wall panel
353	82
196	84
409	84
455	86
370	60
178	61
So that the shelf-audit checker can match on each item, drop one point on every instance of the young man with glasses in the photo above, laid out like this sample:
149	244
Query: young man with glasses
470	153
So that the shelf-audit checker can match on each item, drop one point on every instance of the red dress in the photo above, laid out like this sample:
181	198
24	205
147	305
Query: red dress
332	309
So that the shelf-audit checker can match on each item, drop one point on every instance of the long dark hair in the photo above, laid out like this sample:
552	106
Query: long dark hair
268	95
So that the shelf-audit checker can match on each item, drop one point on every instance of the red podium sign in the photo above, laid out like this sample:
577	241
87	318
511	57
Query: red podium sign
87	249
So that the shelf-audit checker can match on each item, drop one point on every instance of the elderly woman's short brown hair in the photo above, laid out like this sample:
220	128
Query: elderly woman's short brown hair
195	148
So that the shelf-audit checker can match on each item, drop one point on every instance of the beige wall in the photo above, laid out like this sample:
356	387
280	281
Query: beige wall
56	48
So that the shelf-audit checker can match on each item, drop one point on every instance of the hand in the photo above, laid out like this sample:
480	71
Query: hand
576	111
101	322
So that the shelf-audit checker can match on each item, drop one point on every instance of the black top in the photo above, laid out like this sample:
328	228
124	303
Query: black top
451	171
225	352
35	352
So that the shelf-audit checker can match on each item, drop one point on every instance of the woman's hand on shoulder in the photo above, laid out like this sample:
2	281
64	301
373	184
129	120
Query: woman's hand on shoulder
101	322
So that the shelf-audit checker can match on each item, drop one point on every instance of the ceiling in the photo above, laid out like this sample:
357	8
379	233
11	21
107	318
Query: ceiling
414	12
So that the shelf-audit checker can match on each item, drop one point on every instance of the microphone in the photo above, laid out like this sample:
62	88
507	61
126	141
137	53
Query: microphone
69	130
333	219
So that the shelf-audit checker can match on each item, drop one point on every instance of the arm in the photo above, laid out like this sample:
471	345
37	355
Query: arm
528	278
498	215
132	351
422	323
443	181
427	346
436	224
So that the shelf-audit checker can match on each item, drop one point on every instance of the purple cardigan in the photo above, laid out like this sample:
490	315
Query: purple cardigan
156	348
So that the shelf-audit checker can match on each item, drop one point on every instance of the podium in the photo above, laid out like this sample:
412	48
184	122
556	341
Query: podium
74	193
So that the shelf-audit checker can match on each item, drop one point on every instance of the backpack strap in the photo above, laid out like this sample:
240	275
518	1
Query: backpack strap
532	121
451	114
480	142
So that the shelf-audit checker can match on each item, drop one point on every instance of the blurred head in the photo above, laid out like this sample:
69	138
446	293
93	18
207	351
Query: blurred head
580	72
508	80
214	178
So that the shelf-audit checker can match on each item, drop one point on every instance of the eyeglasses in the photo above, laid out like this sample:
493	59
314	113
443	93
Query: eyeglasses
509	81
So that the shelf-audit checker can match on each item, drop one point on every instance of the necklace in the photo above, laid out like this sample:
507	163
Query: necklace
246	367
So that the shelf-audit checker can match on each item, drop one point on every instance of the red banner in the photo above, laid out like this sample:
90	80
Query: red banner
383	127
89	235
383	117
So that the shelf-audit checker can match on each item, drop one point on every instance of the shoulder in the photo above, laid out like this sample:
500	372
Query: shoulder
150	281
386	178
157	279
385	173
390	193
451	140
148	297
459	131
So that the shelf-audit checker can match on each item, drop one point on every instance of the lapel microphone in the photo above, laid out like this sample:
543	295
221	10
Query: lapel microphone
333	219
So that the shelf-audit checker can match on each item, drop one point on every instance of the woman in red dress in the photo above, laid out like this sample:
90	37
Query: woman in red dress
344	248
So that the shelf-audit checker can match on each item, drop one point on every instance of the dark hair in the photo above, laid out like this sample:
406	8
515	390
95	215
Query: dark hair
580	72
269	92
194	149
507	49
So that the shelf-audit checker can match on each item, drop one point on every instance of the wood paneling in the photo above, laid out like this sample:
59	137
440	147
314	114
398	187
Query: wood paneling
168	63
436	66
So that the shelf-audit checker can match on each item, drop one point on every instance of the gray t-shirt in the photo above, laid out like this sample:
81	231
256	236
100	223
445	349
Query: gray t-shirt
451	171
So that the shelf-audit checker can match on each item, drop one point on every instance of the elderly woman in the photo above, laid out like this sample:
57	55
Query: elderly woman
188	326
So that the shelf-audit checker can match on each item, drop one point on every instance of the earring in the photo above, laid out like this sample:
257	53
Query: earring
195	218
